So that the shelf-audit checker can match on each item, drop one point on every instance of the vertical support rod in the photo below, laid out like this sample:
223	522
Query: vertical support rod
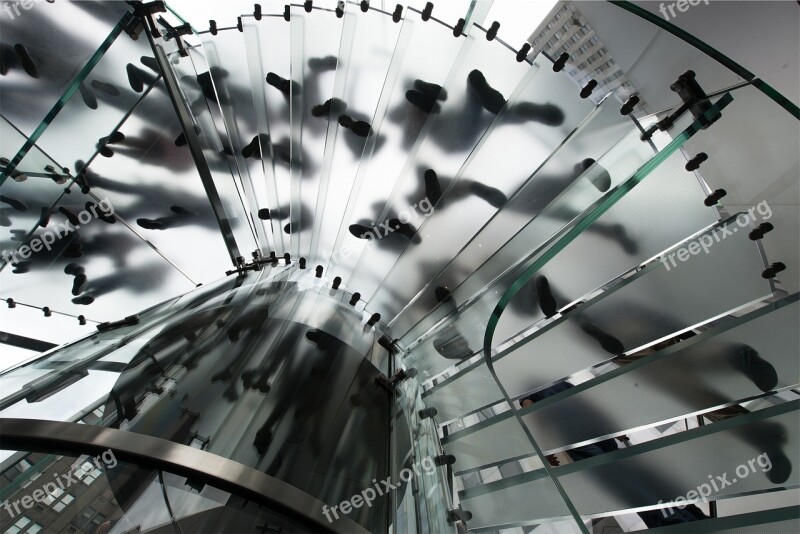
181	109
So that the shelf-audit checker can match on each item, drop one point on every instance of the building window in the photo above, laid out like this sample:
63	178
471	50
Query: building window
59	500
88	473
24	525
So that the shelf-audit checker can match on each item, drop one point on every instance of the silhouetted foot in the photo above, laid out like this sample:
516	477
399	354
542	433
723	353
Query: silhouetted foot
107	88
453	348
88	96
83	300
281	84
71	217
27	61
73	250
433	189
21	267
437	92
609	343
14	203
548	114
493	196
598	175
491	99
135	76
422	101
360	128
321	64
150	63
746	359
150	224
406	230
361	231
331	106
78	284
547	302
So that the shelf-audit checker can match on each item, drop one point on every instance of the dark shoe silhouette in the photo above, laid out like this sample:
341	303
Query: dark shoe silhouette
547	302
135	76
83	300
437	92
321	64
105	87
71	217
547	114
598	175
27	61
360	128
406	230
281	84
493	196
14	203
491	99
745	358
609	343
422	101
150	63
150	224
78	284
453	348
88	96
361	231
433	189
331	106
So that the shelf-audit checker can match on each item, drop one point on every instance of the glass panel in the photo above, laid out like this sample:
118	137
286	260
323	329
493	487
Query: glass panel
396	125
315	48
751	453
629	55
624	165
532	499
541	112
154	187
56	40
599	133
469	390
772	136
113	87
656	304
194	79
265	185
476	88
368	46
482	446
227	83
76	266
600	207
27	195
755	354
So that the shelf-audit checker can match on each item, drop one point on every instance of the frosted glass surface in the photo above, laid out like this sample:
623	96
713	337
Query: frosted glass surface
718	370
315	48
520	219
543	110
154	187
670	467
490	444
448	138
59	37
395	129
473	389
656	304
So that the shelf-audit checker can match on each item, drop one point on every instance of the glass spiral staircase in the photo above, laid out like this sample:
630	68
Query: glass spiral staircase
416	242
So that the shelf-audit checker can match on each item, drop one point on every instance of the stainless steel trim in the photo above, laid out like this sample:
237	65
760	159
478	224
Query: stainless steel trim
156	453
